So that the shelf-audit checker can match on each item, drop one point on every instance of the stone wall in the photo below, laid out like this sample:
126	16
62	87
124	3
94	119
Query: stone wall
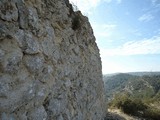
50	67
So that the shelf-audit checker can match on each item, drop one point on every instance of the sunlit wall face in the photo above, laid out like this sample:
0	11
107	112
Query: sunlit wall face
127	33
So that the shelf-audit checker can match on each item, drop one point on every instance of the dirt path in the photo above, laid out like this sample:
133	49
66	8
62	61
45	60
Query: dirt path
115	114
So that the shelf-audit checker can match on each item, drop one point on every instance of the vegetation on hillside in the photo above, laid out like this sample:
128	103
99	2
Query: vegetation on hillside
135	107
143	87
134	95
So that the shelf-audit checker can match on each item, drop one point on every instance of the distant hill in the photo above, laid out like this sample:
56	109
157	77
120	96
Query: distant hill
136	84
134	73
144	73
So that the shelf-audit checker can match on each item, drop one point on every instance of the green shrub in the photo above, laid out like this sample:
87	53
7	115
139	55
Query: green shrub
76	23
134	107
152	113
127	105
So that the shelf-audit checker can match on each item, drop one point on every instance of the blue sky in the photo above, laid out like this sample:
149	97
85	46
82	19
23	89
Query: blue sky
127	33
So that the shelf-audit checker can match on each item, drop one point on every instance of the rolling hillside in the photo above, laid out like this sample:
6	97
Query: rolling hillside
136	94
139	85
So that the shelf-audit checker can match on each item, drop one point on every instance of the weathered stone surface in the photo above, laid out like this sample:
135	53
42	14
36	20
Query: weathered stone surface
48	42
34	63
31	45
10	56
23	14
8	10
37	114
50	67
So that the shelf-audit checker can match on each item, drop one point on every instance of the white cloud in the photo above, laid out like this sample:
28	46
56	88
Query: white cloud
136	32
146	17
87	6
148	46
153	2
108	1
103	30
127	13
119	1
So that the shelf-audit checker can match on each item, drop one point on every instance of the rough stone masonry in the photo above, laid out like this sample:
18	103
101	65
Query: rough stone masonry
50	67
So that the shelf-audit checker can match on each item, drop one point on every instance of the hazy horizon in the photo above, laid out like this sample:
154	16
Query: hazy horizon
134	72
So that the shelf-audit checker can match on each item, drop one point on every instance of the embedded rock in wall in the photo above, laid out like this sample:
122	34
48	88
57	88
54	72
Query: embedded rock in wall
50	68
